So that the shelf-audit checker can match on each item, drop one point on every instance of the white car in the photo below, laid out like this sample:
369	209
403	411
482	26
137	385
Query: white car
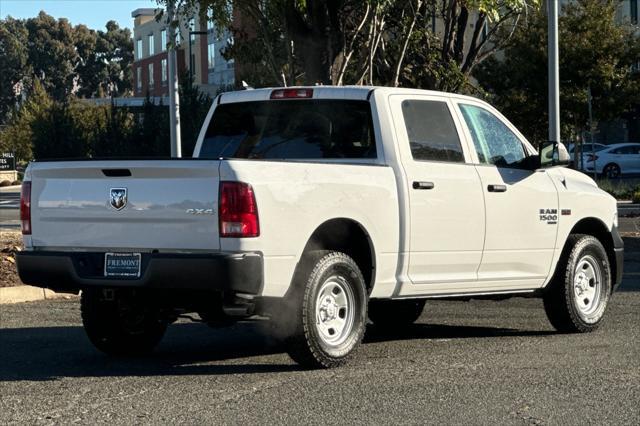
586	147
317	208
615	160
585	150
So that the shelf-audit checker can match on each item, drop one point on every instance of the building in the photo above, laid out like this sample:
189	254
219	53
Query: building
198	52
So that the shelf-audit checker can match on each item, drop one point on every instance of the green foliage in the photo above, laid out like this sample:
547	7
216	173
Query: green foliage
13	38
17	136
52	54
384	42
636	196
105	59
619	189
194	106
596	52
66	60
45	128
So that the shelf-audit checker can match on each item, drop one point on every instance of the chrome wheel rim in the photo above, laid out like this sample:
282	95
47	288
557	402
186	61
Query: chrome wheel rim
335	311
587	285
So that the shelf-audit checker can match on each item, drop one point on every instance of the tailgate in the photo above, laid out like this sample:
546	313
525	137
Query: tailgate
164	205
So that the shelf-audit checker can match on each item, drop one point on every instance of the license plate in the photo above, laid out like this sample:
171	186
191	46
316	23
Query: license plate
122	264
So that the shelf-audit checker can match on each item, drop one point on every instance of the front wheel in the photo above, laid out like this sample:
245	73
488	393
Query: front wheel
577	298
329	311
124	324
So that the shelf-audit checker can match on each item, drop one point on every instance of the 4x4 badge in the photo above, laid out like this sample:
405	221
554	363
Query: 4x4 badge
118	198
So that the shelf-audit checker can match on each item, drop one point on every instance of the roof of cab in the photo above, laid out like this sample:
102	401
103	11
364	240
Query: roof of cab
327	92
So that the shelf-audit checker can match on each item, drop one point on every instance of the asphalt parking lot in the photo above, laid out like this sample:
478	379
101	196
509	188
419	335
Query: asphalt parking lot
478	362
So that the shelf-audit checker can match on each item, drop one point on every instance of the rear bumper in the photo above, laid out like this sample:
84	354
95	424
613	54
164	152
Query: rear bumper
73	271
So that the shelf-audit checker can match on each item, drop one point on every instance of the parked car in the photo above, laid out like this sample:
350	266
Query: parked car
585	149
317	207
615	160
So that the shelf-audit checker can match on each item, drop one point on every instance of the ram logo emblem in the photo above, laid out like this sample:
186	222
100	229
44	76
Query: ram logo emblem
118	198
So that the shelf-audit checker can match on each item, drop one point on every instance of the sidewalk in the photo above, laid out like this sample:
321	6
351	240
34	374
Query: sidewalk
15	188
25	293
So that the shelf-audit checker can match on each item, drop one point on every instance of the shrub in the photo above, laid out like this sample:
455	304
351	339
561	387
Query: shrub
16	182
636	196
5	183
619	190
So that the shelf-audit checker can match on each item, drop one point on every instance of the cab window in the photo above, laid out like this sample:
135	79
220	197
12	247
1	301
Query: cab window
432	132
494	142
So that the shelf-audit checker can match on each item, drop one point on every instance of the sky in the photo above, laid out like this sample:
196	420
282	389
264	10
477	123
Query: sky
92	13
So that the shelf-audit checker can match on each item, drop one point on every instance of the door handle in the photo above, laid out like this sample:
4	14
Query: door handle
497	188
423	185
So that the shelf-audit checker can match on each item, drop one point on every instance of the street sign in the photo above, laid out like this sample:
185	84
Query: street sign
7	161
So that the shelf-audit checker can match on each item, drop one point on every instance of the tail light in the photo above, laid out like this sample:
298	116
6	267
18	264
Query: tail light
25	208
238	212
291	93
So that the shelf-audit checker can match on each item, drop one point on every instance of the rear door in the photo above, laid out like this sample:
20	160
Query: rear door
164	205
446	205
628	158
521	204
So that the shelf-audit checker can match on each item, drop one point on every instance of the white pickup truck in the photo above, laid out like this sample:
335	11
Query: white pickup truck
320	208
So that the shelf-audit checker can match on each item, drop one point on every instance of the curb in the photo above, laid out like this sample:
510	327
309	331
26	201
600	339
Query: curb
27	293
11	188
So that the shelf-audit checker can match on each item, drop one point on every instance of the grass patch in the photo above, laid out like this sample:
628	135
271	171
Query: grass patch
621	190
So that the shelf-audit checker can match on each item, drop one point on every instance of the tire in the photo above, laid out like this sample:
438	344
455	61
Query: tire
329	311
578	295
611	171
395	313
124	326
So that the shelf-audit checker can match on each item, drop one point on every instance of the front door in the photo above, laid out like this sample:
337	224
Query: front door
521	204
446	226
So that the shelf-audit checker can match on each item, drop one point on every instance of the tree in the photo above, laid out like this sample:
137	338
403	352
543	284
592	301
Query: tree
17	136
595	52
14	70
52	54
104	60
362	42
194	106
67	60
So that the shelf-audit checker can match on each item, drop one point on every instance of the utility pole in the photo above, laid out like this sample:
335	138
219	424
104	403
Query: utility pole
593	148
174	97
554	72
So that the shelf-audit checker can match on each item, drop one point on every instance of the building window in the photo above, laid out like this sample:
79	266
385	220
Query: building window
192	27
633	5
485	30
163	65
163	39
139	48
150	75
211	55
139	78
210	20
152	48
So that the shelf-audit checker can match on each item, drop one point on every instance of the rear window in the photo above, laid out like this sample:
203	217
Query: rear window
291	129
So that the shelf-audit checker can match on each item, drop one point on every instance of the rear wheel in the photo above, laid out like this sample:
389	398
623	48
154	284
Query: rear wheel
577	298
611	171
395	313
123	324
329	311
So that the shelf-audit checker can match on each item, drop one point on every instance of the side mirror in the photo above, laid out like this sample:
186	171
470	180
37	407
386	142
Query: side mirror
554	154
